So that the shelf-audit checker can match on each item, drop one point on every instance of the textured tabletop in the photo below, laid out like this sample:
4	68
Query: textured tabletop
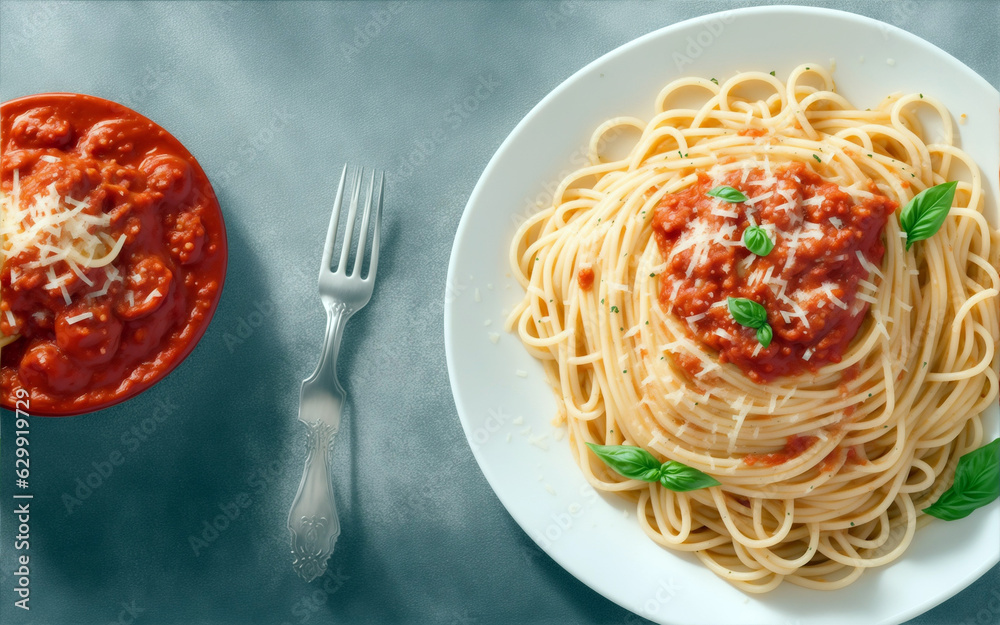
273	98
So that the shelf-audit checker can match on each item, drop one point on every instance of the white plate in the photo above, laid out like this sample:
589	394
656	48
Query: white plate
533	474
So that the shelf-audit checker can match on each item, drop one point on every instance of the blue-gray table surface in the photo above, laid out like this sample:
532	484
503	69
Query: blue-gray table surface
272	98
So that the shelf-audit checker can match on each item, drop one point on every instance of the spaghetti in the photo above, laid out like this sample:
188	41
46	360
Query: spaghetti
826	461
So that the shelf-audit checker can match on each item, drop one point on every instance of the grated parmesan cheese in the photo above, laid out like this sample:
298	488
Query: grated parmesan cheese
828	289
79	318
57	228
696	318
760	198
867	264
720	212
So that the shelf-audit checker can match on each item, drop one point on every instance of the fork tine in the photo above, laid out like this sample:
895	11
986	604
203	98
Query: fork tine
345	253
373	265
334	222
359	260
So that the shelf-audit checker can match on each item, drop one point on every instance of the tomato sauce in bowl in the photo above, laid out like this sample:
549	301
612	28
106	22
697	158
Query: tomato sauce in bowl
114	253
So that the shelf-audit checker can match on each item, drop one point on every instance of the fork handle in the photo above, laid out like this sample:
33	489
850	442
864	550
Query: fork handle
337	314
313	520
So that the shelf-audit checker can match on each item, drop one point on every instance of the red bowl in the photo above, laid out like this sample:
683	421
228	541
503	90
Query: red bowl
93	337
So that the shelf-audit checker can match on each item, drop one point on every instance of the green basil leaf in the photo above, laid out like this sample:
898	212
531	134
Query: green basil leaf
747	312
980	468
952	506
728	194
634	463
977	483
764	335
925	213
681	478
756	240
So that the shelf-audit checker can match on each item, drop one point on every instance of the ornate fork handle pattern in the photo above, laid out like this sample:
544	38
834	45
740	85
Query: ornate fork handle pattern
313	521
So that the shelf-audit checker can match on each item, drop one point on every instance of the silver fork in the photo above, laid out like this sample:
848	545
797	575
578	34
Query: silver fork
312	520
